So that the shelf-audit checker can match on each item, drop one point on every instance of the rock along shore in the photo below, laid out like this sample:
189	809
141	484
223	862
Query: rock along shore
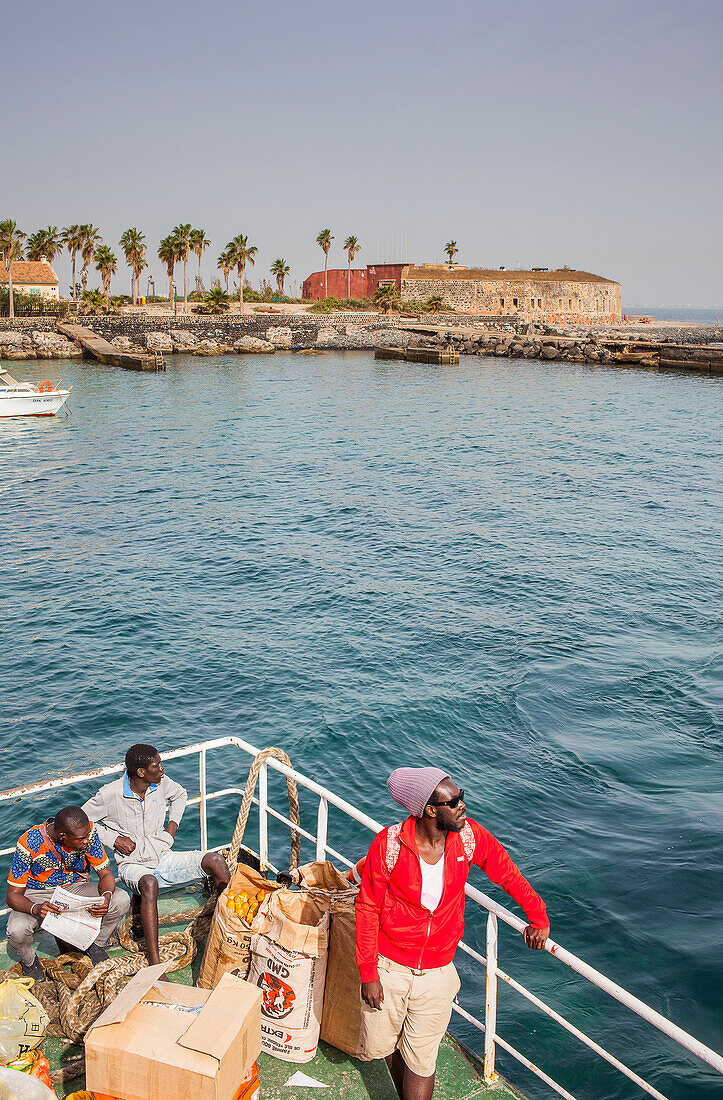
37	338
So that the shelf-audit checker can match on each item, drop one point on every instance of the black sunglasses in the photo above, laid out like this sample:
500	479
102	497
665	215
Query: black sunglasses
451	802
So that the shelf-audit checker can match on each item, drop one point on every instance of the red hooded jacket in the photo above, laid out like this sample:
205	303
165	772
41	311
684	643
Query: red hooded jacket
390	917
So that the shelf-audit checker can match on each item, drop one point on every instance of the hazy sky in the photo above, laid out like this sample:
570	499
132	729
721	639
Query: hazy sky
534	133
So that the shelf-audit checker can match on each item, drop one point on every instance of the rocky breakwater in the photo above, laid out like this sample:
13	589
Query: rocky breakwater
37	345
589	348
185	342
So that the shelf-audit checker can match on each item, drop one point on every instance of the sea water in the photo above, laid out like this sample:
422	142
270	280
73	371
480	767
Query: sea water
508	569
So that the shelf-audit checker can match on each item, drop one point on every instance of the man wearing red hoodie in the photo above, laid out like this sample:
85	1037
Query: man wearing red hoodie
410	918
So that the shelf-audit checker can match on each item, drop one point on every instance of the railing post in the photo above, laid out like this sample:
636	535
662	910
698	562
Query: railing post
322	819
263	818
491	999
202	792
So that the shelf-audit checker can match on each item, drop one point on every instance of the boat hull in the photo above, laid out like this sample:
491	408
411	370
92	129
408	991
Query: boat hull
33	404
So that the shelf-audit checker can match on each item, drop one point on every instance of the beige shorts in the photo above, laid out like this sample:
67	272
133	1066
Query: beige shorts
414	1016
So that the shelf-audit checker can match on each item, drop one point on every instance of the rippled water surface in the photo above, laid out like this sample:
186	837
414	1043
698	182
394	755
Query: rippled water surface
508	570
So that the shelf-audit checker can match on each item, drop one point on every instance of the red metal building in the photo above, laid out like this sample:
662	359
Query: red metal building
364	281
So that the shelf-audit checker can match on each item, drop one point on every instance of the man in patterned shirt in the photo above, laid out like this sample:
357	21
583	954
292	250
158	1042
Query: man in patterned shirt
60	852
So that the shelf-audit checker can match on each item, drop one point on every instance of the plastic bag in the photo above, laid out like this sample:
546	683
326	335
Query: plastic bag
21	1086
34	1063
23	1019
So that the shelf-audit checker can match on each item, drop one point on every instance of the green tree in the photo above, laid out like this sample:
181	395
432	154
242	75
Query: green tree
241	253
73	241
386	297
106	264
217	300
280	269
182	236
225	263
199	244
451	249
168	254
134	249
45	244
324	240
35	245
351	247
91	240
11	248
435	303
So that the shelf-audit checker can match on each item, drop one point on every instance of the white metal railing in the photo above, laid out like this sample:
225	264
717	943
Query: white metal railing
495	912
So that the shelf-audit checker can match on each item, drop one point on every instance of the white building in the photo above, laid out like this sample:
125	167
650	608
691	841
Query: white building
35	277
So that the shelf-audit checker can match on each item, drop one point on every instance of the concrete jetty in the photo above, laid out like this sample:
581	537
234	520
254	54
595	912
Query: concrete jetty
96	347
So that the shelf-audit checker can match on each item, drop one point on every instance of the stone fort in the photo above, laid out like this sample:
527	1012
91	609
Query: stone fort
561	295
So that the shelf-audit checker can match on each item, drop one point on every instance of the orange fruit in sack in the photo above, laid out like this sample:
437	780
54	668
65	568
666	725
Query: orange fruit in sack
260	896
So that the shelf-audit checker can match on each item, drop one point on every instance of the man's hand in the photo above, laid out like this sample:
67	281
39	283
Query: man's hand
47	907
101	909
536	937
171	829
373	994
124	845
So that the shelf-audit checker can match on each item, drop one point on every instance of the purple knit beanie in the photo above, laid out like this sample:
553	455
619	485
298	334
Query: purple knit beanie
412	787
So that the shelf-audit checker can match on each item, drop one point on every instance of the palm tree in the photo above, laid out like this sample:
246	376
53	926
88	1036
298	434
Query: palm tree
138	263
35	246
324	241
351	246
135	253
386	297
217	300
241	253
435	303
280	269
199	244
225	263
73	241
11	247
45	244
105	263
91	240
182	236
451	249
168	255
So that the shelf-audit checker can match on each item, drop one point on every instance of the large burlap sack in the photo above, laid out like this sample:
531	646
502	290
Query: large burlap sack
341	1021
288	962
228	946
324	878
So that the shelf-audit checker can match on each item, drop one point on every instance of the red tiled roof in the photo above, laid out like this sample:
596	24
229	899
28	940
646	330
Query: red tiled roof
30	273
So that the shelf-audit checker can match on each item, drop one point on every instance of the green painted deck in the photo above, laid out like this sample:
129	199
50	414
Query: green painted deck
458	1072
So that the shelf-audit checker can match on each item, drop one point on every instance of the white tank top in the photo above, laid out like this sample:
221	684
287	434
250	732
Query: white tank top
432	883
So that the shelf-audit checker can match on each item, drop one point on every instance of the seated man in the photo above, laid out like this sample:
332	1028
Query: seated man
60	852
130	813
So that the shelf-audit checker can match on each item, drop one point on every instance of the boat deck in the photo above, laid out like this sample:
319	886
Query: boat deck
458	1071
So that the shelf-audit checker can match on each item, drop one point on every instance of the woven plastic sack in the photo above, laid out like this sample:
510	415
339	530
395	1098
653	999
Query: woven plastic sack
23	1020
228	946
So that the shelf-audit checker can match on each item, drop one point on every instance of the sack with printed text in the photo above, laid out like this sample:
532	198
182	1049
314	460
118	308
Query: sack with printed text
288	962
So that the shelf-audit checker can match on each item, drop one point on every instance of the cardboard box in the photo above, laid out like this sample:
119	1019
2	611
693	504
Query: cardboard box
172	1042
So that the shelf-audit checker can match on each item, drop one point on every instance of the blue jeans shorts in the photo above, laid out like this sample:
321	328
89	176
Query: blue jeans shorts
173	869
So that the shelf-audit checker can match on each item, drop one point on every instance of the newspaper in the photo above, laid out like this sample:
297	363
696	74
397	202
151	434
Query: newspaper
74	924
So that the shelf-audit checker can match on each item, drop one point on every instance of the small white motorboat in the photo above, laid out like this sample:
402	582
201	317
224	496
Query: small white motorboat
30	398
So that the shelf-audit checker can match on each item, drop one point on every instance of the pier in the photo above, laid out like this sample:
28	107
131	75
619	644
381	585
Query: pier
95	347
420	354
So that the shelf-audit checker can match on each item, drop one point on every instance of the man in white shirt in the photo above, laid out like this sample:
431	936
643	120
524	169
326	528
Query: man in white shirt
130	815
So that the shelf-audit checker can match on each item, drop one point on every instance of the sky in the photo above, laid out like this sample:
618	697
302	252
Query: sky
533	134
